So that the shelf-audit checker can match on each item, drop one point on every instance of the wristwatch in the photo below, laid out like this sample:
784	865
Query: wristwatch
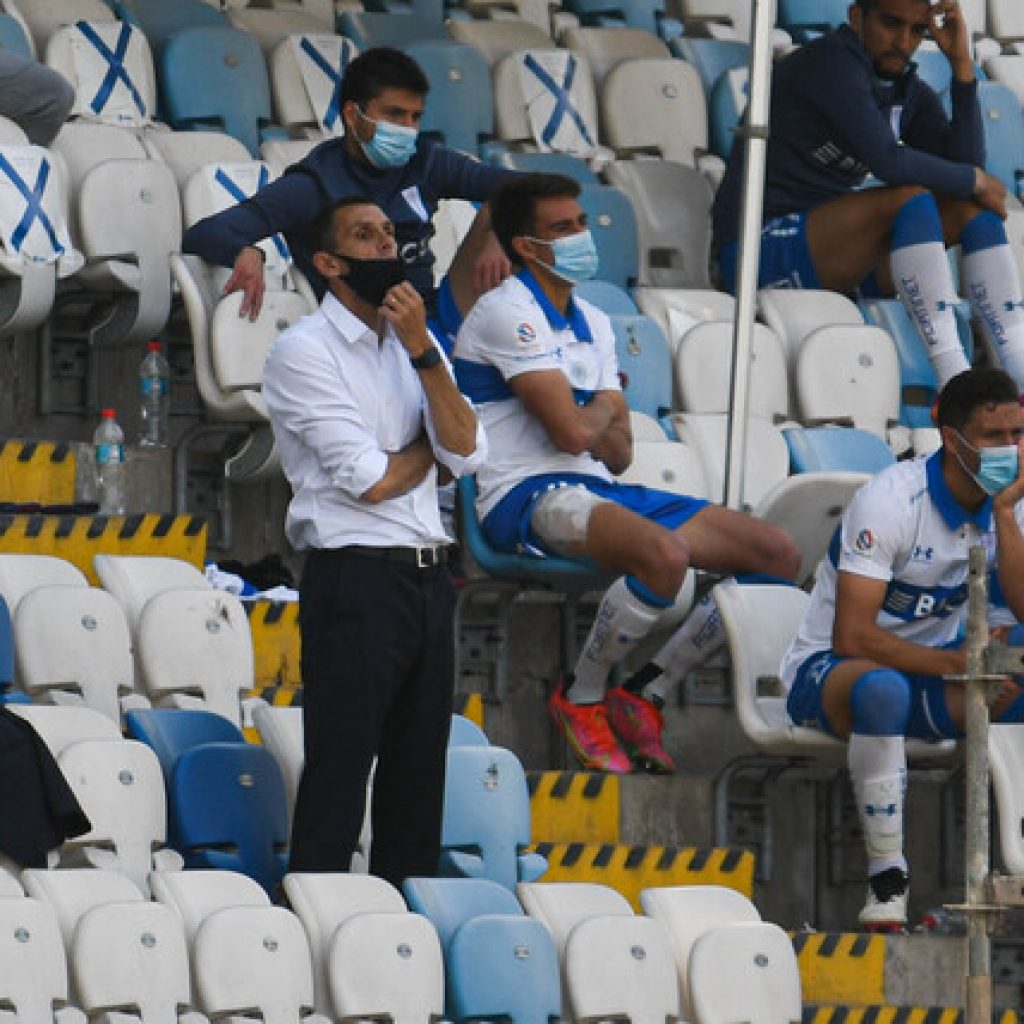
428	359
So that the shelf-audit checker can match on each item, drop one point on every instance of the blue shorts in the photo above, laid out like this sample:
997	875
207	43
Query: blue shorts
507	526
785	256
928	720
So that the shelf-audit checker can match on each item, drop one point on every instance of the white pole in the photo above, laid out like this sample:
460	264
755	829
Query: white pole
754	134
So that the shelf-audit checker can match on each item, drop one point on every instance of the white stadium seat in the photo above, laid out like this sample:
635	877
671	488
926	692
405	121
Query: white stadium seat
793	313
497	39
304	72
1006	763
196	894
135	579
677	310
20	574
606	48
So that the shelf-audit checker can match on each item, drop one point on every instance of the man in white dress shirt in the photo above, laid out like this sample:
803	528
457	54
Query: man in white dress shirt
367	416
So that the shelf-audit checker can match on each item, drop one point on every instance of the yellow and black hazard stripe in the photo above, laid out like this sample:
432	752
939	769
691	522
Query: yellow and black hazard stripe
841	968
78	538
471	706
276	644
631	869
580	807
898	1015
37	471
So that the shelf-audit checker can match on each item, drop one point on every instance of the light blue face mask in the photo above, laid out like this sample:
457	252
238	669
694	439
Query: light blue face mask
392	145
998	466
575	256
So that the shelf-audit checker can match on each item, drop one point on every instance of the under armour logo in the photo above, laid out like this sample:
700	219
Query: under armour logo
923	554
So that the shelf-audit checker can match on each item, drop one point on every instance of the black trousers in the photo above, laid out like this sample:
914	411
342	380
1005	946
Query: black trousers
378	676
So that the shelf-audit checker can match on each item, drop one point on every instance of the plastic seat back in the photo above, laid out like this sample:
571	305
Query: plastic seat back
270	27
672	203
711	58
195	895
134	579
159	20
386	965
608	297
621	967
645	366
793	313
44	17
677	310
561	906
281	732
132	954
849	375
217	77
253	958
606	48
6	649
1003	120
59	727
726	106
1005	20
375	28
655	106
832	449
73	643
613	224
187	152
229	811
495	39
198	643
450	902
33	971
1008	69
465	732
1006	761
745	971
686	912
801	16
20	574
666	466
169	732
13	38
305	76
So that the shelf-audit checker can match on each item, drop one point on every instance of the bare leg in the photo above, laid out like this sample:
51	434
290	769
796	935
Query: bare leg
722	540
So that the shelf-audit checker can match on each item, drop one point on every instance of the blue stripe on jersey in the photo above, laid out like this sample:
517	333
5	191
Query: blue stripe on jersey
834	546
909	602
481	383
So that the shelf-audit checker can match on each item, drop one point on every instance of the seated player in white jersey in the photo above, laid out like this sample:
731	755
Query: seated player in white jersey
885	620
539	365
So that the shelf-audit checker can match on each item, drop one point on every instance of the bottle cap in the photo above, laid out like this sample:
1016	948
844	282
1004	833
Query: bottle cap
153	346
107	414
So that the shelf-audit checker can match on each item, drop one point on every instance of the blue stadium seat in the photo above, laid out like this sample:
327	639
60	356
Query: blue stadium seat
934	69
725	108
12	37
836	449
172	731
227	810
216	78
547	163
804	19
608	297
432	10
1004	134
613	225
645	14
645	366
6	649
369	28
448	903
711	57
465	732
460	108
486	824
160	19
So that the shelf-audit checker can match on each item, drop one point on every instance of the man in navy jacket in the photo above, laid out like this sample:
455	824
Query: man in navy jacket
381	156
849	105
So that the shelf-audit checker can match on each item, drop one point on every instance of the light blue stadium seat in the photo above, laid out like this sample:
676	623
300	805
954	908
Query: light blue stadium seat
460	108
448	903
711	57
486	824
547	163
645	366
172	731
160	19
608	297
837	449
432	10
216	78
613	224
6	649
919	387
934	69
725	108
504	968
1003	121
646	14
227	810
465	732
369	28
803	19
12	37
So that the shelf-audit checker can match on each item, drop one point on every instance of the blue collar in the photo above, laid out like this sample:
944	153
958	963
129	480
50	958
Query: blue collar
950	509
575	321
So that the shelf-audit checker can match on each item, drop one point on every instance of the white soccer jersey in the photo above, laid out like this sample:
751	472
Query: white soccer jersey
903	527
514	329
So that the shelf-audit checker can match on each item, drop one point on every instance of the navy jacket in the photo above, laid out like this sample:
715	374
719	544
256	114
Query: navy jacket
833	123
408	195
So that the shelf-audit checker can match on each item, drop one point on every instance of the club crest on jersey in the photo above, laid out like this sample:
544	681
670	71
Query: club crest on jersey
525	333
865	540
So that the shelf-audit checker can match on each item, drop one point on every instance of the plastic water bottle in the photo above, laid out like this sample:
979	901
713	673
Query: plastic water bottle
108	446
154	396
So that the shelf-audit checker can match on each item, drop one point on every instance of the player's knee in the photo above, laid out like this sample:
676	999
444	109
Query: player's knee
880	703
777	552
666	560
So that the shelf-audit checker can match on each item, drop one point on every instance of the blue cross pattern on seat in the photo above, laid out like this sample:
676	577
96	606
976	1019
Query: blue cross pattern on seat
563	104
237	194
334	74
33	204
116	71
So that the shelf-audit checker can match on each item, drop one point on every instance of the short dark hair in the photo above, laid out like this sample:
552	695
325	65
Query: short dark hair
974	389
514	204
378	69
320	232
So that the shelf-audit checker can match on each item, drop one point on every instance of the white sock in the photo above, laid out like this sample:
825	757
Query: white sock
622	621
925	287
878	769
700	635
993	286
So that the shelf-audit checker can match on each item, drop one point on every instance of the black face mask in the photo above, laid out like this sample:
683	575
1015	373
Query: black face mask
371	279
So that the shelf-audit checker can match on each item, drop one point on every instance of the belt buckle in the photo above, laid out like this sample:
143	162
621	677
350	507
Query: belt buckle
426	558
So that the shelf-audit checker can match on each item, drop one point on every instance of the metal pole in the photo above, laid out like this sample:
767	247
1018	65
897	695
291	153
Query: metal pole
754	135
979	971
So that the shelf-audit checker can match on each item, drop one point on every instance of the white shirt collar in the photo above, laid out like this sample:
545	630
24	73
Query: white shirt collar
344	321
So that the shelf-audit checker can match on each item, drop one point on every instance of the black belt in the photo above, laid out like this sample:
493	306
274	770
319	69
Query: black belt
418	558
